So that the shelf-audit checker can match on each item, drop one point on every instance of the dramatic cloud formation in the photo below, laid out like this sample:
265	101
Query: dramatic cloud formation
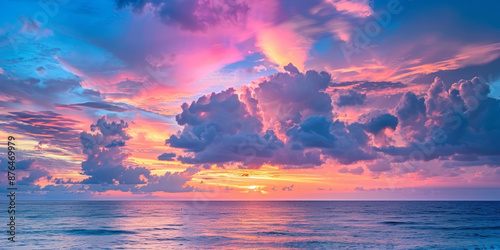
301	129
105	163
459	122
297	113
313	97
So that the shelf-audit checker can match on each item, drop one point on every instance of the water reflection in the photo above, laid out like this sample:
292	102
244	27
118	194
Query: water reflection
160	225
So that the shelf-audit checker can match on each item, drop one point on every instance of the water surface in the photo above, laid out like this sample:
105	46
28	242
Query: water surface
264	225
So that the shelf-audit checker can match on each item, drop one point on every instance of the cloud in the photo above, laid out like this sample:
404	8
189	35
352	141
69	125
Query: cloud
34	175
380	166
291	68
358	8
286	99
353	98
43	93
192	15
43	125
351	144
355	171
314	132
105	160
377	124
172	182
106	163
378	86
290	188
28	173
23	164
282	44
225	128
219	128
95	105
459	121
167	157
411	112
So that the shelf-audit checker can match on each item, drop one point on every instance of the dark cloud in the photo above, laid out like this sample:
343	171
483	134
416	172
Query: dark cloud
370	86
250	149
167	157
95	105
43	93
128	89
226	128
44	125
292	69
377	124
32	169
290	188
116	143
355	171
461	160
350	146
23	164
34	175
378	86
219	128
379	166
106	163
314	132
353	98
287	99
460	121
193	15
411	113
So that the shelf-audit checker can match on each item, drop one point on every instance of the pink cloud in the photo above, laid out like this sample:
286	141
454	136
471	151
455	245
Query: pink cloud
358	8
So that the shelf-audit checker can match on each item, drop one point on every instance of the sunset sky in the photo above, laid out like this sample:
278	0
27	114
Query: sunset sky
259	100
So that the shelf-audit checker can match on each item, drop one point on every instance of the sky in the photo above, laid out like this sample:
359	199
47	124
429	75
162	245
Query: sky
252	100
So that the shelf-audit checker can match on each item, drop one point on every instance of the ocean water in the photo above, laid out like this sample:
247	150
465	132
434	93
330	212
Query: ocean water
256	225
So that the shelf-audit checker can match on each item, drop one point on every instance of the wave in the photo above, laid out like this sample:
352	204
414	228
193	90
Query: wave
398	222
97	232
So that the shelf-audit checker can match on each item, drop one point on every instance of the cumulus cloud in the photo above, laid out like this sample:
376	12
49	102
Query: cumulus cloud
286	120
106	163
411	112
287	99
172	182
29	172
314	132
449	123
377	124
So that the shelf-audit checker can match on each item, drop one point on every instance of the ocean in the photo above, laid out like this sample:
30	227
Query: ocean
256	225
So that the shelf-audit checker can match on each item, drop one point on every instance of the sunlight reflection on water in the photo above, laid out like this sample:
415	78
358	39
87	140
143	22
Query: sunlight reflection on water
323	225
